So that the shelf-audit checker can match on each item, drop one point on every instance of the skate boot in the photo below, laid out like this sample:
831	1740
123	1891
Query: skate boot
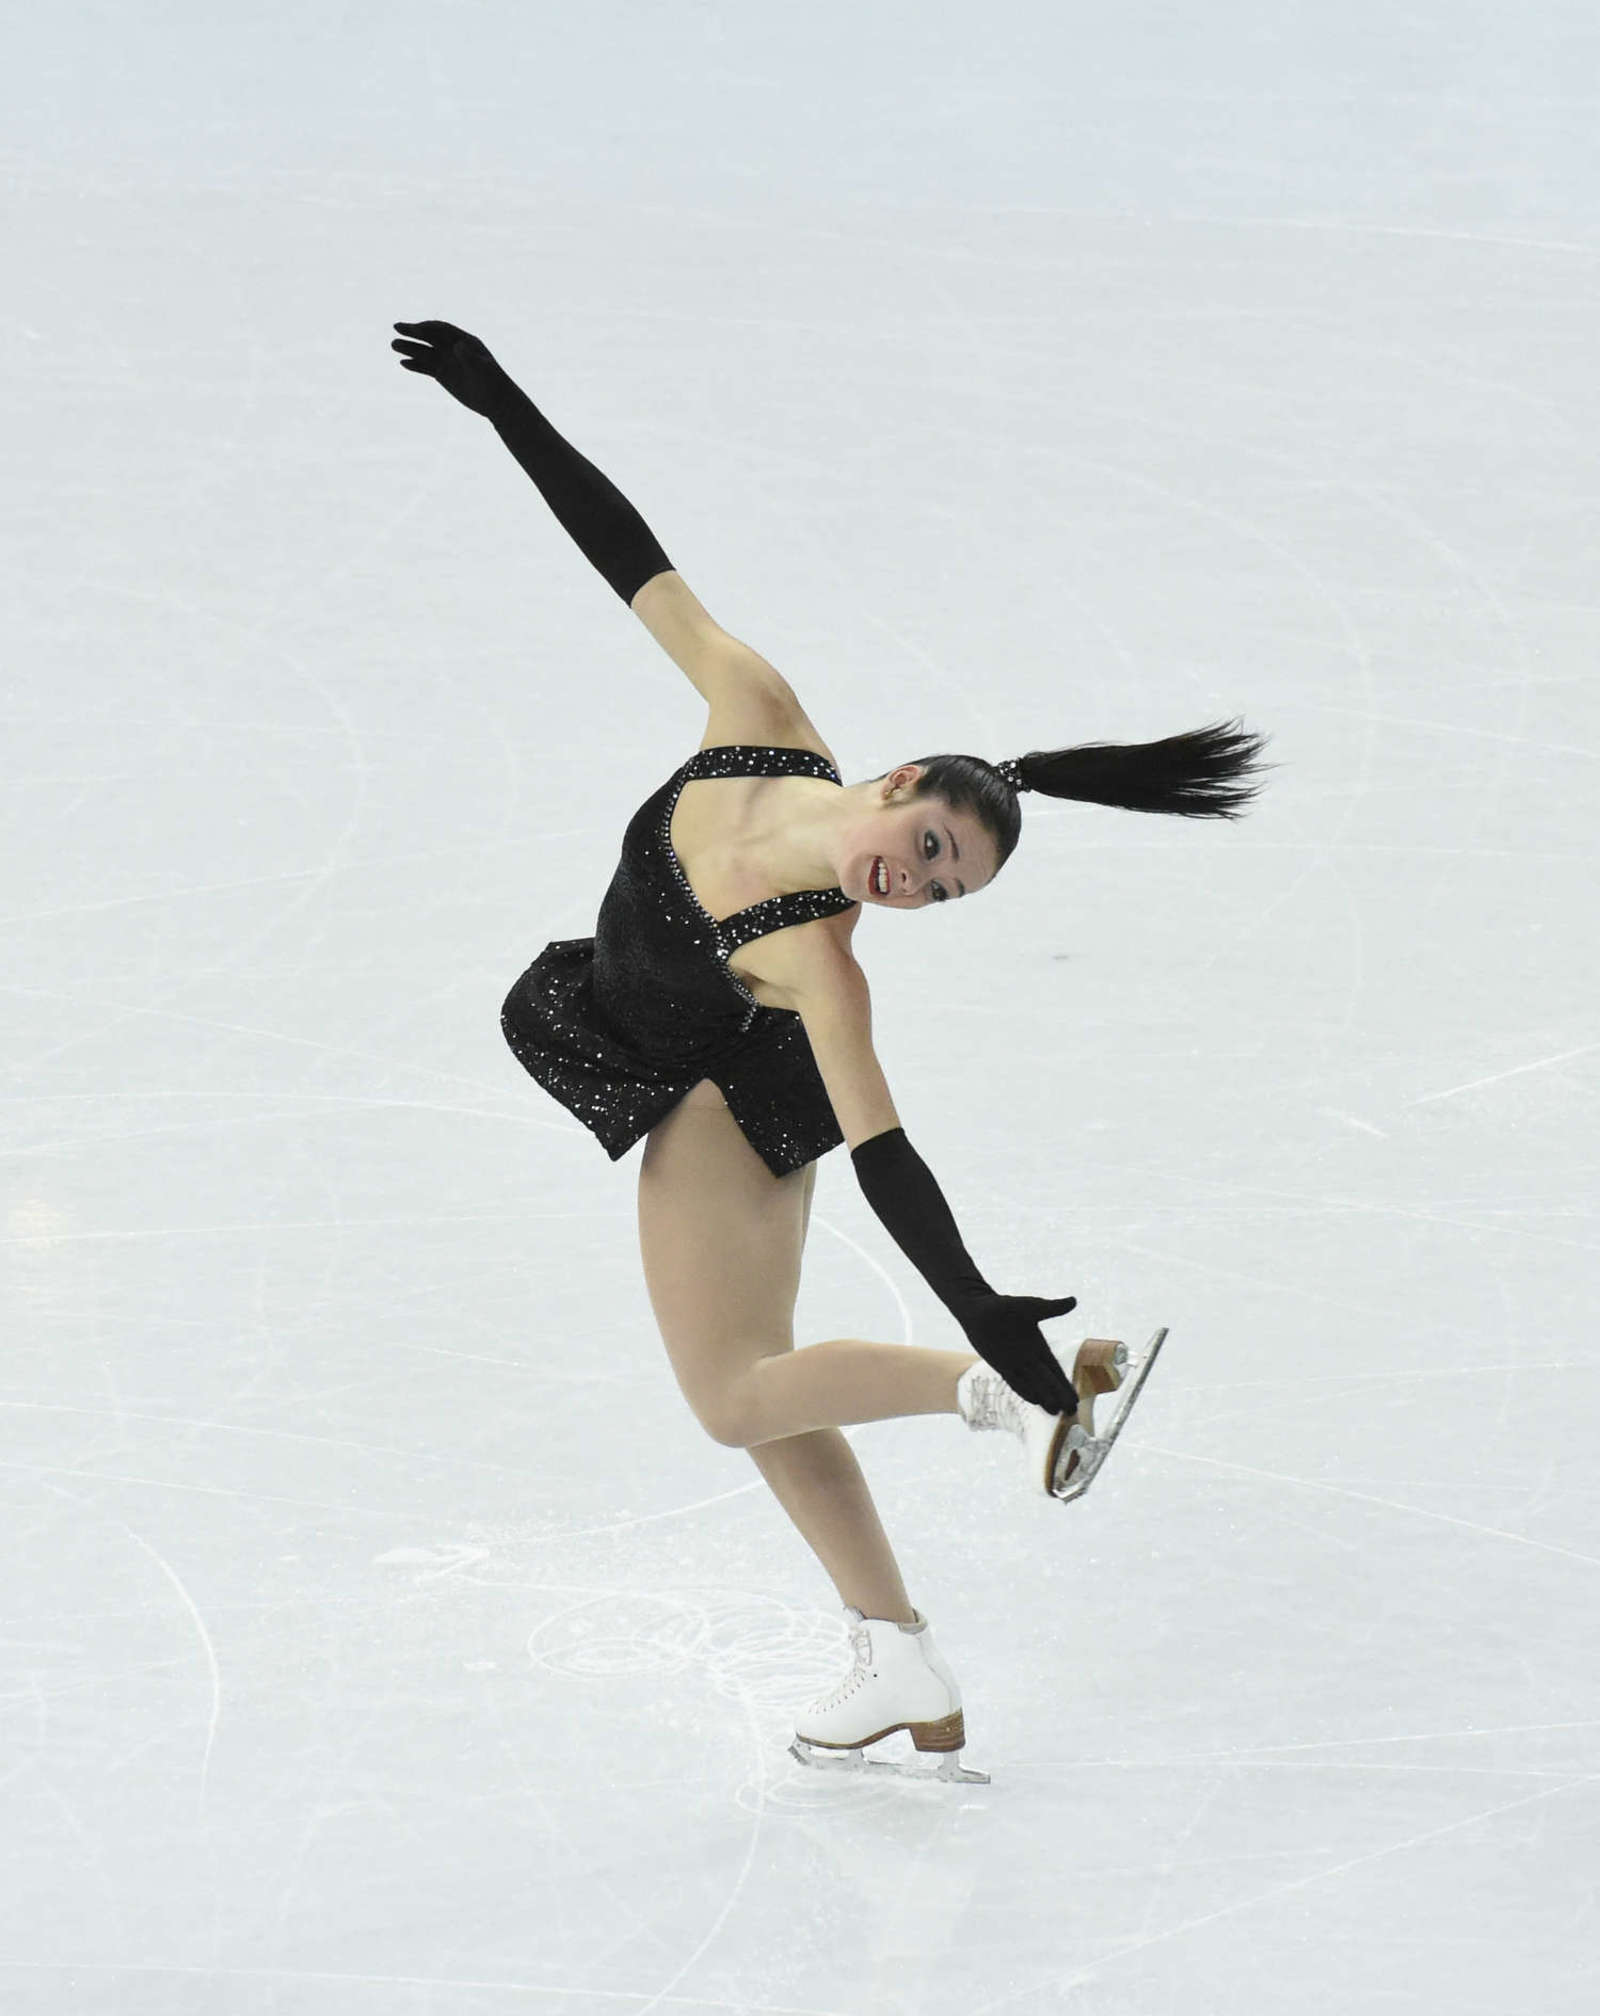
1063	1453
897	1681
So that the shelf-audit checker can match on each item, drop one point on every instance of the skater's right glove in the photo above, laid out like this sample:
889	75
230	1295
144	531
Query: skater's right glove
458	361
1002	1329
606	528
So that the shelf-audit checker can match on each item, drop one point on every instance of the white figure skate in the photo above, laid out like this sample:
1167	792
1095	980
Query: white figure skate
1064	1455
897	1681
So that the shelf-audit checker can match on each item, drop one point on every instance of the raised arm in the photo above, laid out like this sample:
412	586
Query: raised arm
606	527
612	535
716	663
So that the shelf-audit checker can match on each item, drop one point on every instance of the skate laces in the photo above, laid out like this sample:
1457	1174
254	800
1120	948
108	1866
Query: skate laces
987	1401
861	1655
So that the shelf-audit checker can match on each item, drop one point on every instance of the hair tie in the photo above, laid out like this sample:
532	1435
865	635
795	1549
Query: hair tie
1011	771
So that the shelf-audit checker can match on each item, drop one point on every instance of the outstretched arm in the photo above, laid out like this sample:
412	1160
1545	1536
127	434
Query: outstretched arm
612	535
625	550
606	527
720	668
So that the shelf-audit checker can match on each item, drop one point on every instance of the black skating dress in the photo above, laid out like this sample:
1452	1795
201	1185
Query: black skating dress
619	1026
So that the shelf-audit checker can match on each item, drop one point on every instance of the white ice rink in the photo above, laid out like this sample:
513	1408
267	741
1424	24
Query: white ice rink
380	1634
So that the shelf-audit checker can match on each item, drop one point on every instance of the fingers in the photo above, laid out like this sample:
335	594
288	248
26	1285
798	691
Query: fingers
1052	1388
432	332
1041	1308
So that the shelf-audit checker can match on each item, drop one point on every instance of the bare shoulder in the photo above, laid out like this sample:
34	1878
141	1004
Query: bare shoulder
810	964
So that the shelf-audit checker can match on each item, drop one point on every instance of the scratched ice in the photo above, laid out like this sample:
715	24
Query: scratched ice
379	1632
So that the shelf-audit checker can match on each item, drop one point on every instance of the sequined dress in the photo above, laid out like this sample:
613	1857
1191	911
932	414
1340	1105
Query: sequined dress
619	1026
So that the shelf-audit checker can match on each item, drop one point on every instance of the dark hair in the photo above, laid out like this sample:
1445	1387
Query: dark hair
1196	775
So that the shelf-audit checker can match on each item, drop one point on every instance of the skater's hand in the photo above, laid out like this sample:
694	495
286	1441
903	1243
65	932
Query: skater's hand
1004	1331
460	362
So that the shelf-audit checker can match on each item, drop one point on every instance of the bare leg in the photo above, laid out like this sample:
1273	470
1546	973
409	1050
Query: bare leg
721	1242
818	1482
845	1380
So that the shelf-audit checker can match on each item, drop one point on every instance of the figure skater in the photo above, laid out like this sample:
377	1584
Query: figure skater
719	1012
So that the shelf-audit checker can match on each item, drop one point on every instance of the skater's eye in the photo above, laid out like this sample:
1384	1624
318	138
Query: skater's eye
930	849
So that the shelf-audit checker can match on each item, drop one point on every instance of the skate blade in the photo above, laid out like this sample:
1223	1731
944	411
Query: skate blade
951	1770
1126	1394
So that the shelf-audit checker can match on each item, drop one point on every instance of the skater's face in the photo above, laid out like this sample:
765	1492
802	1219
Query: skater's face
933	853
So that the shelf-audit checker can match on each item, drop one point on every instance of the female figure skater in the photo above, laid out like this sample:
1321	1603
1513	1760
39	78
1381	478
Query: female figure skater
718	1012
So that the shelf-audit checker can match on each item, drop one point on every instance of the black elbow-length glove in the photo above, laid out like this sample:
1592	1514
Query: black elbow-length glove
608	530
1002	1329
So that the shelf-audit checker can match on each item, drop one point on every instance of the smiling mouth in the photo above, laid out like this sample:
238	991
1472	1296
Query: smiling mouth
880	867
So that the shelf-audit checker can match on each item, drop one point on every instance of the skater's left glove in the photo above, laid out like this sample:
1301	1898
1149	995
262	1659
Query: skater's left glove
1002	1329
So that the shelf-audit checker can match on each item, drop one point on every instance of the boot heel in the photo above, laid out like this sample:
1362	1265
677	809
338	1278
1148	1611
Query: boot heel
948	1733
1099	1365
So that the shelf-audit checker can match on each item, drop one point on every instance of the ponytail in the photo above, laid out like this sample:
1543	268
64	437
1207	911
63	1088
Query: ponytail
1204	773
1197	775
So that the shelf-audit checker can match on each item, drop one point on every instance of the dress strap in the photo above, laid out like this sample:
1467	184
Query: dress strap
750	759
772	913
775	913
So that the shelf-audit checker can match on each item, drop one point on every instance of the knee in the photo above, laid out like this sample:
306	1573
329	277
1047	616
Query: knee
726	1418
732	1415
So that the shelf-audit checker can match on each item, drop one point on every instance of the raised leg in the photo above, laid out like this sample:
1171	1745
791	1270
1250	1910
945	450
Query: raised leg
842	1381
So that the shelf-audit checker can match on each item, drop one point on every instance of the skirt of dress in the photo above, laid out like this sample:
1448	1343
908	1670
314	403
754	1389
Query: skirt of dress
765	1070
558	1035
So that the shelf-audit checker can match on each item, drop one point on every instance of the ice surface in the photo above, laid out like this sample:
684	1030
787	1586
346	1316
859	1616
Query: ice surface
379	1632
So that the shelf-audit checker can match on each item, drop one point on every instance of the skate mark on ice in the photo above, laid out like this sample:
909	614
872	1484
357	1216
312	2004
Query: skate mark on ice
1369	1498
206	1644
745	1646
1059	1983
1499	1077
757	1651
1350	1120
